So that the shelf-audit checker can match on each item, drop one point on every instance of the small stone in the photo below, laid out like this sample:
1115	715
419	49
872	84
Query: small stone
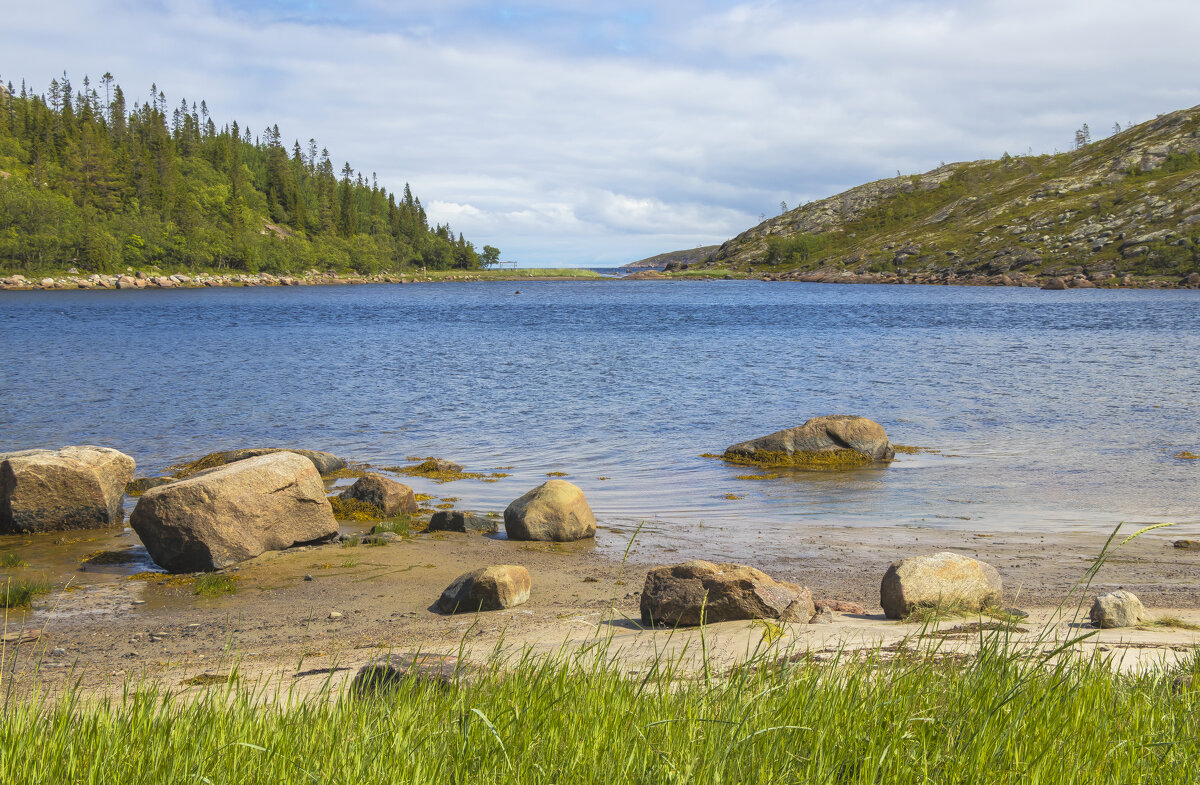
1188	545
308	577
139	602
58	651
335	614
823	616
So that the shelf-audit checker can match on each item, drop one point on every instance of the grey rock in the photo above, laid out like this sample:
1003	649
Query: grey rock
389	496
680	595
81	487
1120	608
461	521
816	440
554	511
945	579
487	589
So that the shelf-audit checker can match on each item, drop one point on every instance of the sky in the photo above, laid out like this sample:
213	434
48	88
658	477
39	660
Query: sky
594	134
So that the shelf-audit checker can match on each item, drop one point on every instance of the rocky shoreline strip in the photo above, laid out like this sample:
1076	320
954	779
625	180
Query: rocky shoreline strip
143	280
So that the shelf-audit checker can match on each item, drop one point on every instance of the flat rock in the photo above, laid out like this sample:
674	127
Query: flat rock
830	442
486	589
946	580
1120	608
223	516
554	511
679	595
384	675
461	521
389	496
79	487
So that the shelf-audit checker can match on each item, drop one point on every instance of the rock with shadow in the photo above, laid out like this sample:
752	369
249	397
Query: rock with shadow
80	487
940	580
556	511
686	594
486	589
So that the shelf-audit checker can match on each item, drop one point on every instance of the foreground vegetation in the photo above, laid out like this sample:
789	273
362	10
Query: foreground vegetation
999	717
87	181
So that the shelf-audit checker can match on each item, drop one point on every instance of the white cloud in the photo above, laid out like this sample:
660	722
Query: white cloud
568	136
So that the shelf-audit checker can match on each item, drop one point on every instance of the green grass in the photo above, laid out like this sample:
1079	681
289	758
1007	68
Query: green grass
20	592
401	525
12	560
1004	716
214	584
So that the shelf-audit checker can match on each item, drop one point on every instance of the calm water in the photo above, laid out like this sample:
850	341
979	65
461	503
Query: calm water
1052	409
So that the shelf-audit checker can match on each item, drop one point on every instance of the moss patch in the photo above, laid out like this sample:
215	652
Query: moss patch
214	584
1187	455
826	459
110	557
904	449
210	461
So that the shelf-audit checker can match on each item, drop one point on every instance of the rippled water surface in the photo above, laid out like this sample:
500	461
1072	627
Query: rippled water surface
1051	409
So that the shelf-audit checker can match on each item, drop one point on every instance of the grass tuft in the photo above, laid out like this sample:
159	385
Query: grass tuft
215	584
20	592
12	560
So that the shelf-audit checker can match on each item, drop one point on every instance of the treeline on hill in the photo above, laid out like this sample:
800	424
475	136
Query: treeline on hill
89	182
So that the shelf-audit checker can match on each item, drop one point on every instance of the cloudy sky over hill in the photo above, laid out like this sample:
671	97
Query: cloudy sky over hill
583	133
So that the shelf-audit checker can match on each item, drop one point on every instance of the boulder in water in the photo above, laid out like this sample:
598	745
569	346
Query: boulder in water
832	442
556	510
389	496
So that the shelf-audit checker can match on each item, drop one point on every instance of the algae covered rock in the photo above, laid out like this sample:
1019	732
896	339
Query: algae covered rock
1120	608
940	580
487	589
81	487
556	511
681	594
326	463
223	516
832	442
389	496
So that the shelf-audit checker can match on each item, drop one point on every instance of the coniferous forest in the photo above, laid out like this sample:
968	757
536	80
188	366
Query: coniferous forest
89	181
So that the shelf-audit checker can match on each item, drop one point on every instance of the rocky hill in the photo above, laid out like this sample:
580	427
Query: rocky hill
660	261
1124	210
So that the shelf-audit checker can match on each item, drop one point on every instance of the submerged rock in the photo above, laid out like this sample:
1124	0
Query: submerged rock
389	496
325	462
1120	608
683	593
486	589
461	521
226	515
831	442
945	580
555	510
81	487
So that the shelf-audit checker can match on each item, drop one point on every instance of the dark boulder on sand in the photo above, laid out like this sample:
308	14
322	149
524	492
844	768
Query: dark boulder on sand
684	594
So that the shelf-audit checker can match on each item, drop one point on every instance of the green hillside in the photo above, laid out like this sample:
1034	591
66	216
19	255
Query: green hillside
1122	208
87	181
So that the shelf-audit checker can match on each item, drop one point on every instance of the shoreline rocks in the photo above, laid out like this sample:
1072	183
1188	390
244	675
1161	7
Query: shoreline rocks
391	497
831	442
225	515
326	463
684	594
78	487
461	521
486	589
946	580
554	511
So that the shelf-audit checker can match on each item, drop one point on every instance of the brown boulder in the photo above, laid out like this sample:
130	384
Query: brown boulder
461	521
946	580
70	488
677	595
486	589
1055	285
830	442
226	515
555	510
389	496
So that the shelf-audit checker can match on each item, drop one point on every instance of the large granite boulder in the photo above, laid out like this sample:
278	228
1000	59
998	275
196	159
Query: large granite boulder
461	521
1120	608
325	462
677	595
486	589
70	488
226	515
832	442
389	496
941	580
555	510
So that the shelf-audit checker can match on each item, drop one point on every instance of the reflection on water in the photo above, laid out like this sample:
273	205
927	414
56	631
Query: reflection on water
1051	409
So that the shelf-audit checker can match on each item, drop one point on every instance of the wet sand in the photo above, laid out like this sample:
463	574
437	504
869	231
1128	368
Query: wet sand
364	601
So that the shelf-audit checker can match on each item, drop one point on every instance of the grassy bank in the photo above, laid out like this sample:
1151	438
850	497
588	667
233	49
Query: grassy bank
999	717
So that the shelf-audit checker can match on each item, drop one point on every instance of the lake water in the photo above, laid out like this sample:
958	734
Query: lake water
1052	410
